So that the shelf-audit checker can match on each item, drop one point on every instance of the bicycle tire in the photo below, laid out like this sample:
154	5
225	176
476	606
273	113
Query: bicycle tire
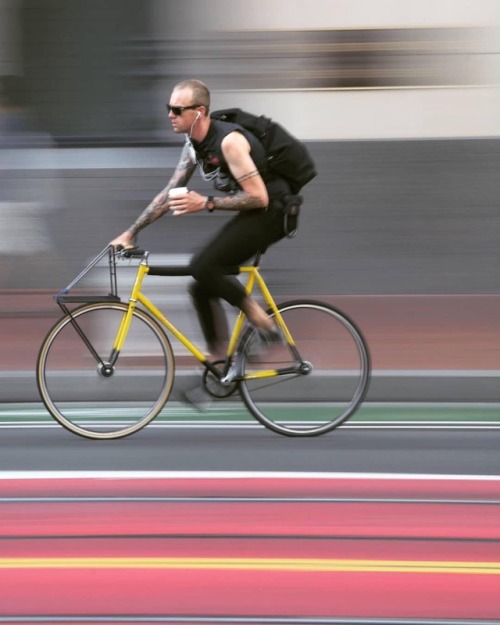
73	387
318	402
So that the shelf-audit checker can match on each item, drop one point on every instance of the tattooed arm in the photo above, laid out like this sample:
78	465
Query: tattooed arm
160	204
253	193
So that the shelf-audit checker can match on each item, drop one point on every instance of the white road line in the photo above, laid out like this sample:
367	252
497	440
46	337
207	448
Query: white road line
237	475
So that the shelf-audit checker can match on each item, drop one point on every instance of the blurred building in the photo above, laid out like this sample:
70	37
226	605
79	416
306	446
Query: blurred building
379	88
99	72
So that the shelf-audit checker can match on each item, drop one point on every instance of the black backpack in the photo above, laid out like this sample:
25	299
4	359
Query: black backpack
286	156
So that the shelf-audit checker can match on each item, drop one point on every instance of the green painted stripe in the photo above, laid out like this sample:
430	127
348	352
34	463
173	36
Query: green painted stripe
225	412
435	413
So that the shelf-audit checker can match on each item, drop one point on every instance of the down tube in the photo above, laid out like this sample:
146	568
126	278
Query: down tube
170	327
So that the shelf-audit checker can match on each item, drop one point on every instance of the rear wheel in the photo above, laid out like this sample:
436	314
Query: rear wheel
88	395
331	378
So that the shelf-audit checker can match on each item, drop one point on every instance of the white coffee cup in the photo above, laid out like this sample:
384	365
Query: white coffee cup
177	191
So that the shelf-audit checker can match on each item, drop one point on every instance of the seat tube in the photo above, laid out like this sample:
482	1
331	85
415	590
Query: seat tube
272	305
251	271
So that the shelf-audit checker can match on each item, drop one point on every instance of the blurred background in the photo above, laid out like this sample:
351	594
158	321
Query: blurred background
399	103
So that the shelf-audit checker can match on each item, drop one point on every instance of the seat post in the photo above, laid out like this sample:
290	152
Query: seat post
256	260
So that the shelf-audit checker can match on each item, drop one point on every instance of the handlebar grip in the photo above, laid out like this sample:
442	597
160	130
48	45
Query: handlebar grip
132	252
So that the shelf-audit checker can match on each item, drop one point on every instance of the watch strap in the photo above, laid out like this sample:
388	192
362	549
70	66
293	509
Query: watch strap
210	204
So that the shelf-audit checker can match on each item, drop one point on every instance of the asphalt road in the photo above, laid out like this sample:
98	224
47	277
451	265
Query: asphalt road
407	449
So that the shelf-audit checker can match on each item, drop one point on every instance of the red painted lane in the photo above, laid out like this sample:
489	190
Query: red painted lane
363	520
209	547
45	530
248	593
253	486
403	331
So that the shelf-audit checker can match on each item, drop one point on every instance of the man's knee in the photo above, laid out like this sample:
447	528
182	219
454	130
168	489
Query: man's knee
200	269
198	293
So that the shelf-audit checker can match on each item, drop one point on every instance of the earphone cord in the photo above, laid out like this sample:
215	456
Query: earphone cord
193	125
192	155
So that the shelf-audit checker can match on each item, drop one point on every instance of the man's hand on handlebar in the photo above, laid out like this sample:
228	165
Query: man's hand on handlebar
126	240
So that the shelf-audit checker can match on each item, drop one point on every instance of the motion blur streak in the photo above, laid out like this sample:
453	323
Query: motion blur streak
250	547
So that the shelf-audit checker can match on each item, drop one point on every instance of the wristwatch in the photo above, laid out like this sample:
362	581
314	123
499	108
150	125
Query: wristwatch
210	204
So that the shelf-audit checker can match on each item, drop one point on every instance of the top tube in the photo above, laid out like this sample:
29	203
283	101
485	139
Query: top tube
153	269
179	270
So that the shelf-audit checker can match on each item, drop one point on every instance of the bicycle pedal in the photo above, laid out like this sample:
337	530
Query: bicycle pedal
262	341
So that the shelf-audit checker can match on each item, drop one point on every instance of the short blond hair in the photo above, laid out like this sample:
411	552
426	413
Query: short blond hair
201	93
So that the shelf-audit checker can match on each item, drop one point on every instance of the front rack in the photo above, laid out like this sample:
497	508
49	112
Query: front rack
65	296
112	296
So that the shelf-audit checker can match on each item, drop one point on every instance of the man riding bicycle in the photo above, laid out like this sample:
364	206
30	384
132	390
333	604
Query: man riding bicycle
228	155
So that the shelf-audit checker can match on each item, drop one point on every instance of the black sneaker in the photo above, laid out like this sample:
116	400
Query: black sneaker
262	341
254	344
196	398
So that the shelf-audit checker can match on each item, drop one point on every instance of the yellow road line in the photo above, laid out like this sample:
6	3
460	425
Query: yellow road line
261	564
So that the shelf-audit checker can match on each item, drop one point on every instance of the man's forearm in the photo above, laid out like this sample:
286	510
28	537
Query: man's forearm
239	201
152	212
159	206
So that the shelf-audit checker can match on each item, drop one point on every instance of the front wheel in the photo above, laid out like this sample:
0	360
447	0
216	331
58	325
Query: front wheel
332	373
85	391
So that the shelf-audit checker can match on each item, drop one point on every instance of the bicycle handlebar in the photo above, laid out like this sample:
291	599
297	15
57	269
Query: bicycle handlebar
131	252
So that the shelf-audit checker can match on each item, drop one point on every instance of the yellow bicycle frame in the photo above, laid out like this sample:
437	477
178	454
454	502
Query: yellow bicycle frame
254	277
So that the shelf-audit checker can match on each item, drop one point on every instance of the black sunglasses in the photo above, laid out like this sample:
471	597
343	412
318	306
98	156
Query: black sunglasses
177	110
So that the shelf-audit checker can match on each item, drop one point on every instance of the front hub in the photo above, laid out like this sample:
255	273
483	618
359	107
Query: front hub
105	370
305	368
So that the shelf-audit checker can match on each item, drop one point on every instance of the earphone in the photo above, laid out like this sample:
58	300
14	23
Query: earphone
198	116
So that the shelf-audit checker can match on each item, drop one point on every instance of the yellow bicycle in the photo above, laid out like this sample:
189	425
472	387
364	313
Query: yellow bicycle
107	368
